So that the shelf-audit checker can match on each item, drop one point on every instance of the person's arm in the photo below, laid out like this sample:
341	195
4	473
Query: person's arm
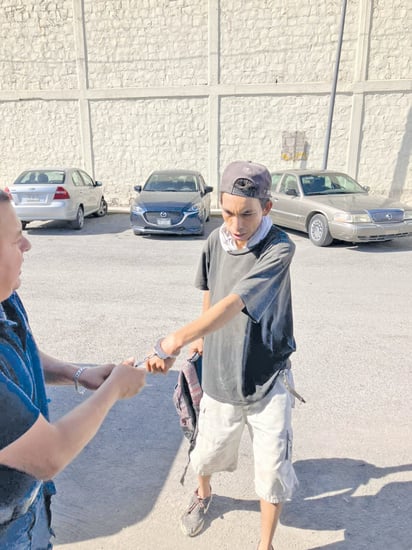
45	449
59	372
212	319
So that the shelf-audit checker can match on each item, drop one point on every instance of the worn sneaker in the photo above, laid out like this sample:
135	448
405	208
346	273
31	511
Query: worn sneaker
193	519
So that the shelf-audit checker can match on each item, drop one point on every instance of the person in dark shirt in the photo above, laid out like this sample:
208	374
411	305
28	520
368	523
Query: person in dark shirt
33	450
247	327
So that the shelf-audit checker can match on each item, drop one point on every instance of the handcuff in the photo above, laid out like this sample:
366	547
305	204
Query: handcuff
158	350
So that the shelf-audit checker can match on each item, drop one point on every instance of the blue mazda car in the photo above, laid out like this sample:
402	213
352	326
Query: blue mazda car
171	202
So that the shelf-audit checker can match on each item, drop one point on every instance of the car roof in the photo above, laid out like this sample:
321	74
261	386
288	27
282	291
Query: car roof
175	172
306	171
53	169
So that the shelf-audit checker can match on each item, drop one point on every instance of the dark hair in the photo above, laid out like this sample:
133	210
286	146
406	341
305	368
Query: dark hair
4	197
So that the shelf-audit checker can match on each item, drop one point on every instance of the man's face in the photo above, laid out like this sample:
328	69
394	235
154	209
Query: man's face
242	216
13	244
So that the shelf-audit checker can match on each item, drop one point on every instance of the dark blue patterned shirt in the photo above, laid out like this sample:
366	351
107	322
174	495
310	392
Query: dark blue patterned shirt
22	400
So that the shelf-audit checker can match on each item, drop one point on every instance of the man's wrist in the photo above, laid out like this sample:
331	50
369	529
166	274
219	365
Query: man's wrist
162	354
77	386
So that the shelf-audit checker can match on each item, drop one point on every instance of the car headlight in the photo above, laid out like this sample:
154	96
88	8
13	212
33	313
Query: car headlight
407	215
138	209
352	217
193	208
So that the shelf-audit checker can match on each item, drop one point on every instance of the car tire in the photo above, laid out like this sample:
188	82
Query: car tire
78	223
102	209
23	225
319	231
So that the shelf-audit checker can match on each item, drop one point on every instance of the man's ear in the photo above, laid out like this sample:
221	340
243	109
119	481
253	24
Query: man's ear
267	208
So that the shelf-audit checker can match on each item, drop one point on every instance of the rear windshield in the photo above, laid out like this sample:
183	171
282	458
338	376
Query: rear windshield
32	177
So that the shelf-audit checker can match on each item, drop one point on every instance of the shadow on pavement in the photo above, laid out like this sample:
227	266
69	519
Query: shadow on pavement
222	505
396	245
326	501
116	480
112	223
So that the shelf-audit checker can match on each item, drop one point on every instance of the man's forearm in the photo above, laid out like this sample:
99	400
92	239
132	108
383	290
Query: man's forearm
56	371
45	449
212	319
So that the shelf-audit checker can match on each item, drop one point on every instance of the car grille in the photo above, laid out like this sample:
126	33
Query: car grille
174	217
388	215
383	237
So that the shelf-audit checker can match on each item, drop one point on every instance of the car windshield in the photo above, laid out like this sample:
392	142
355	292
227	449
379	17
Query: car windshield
32	177
172	183
329	184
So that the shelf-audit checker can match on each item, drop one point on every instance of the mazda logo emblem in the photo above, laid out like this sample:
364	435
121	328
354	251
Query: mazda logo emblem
388	216
164	214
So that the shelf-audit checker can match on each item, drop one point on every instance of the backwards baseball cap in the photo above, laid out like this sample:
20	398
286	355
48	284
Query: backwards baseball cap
246	179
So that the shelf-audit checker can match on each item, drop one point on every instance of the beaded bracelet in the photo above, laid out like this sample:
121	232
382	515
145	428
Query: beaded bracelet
80	389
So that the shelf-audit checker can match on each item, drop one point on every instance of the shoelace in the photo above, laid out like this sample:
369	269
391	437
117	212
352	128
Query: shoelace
198	502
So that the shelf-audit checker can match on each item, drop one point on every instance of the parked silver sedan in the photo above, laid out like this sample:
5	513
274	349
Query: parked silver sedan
57	194
331	205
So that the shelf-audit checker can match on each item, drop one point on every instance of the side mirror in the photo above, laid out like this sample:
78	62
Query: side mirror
208	188
292	192
98	184
137	188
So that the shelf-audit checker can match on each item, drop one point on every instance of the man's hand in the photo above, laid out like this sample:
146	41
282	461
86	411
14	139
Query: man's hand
168	347
93	377
127	378
196	347
156	365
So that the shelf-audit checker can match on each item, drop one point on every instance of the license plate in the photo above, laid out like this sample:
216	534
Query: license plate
164	222
37	200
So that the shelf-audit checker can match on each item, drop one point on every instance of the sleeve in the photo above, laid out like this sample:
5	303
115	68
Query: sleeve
268	278
201	281
202	275
17	412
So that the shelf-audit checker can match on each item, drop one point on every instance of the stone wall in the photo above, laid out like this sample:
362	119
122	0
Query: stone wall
124	87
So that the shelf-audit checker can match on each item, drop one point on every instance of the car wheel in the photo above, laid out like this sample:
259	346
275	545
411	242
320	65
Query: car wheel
78	223
102	209
319	231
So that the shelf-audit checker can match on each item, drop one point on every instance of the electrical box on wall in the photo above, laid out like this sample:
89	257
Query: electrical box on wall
294	146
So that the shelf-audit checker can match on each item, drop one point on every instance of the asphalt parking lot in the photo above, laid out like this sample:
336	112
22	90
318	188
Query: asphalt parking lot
103	294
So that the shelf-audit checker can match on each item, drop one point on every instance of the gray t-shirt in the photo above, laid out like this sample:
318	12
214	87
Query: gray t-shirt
241	360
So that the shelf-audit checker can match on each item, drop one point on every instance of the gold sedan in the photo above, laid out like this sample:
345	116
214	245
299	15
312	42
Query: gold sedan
331	205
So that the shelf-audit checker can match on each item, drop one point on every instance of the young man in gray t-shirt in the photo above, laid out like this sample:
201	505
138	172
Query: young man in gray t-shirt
245	335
